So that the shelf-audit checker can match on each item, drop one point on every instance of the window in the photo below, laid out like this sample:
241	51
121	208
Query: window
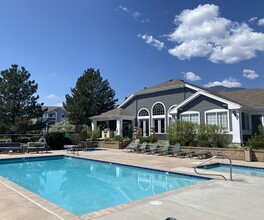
159	125
219	118
143	112
245	121
191	117
158	116
158	109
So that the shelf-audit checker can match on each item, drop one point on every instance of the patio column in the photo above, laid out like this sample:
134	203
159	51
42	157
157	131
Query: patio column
119	126
94	125
236	126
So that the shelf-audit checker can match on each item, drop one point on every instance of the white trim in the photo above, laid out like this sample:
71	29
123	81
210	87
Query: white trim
169	115
127	100
192	113
140	111
230	105
218	111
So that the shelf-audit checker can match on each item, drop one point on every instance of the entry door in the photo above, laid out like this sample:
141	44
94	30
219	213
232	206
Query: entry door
144	125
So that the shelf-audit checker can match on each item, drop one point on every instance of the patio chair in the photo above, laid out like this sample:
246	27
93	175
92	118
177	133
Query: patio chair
7	146
176	150
152	149
200	155
142	148
164	150
41	145
133	148
131	145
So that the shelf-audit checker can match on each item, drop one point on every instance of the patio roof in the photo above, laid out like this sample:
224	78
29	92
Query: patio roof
114	114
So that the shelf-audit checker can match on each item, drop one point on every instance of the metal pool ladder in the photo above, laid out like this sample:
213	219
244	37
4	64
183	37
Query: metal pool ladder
218	156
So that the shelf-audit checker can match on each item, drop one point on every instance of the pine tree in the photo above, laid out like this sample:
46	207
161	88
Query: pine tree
91	96
18	104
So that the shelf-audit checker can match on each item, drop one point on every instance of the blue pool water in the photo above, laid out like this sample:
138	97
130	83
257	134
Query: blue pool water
253	171
82	186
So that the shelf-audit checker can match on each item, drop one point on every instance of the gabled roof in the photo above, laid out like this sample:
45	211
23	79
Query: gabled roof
253	98
52	108
114	113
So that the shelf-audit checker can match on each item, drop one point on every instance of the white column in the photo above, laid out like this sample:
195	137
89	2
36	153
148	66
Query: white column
144	128
94	125
119	126
236	126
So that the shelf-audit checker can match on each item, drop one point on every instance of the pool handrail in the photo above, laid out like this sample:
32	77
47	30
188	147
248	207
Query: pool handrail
218	156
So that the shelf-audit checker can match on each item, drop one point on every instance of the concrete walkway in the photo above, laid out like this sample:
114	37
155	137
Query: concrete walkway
216	199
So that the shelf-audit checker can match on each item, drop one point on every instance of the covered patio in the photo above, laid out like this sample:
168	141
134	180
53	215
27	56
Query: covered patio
117	122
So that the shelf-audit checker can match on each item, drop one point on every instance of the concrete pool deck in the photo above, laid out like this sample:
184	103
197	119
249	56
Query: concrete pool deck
215	199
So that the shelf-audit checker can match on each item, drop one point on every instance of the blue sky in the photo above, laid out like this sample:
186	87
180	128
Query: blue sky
135	44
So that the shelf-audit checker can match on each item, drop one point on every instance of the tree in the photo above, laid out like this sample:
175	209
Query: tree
91	96
18	104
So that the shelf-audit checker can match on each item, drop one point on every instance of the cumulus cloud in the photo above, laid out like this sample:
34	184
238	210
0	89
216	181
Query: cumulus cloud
191	76
251	20
228	82
202	32
261	22
52	96
150	40
250	74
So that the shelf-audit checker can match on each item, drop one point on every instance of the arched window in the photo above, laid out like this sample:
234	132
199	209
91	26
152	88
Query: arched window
158	109
143	112
158	118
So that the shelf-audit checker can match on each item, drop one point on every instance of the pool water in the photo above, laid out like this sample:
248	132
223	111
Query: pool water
246	170
82	186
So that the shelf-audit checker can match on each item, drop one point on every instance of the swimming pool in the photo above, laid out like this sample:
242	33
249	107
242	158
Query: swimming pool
82	186
252	171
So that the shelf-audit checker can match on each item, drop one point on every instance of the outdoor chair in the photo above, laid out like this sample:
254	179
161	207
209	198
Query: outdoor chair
131	146
7	146
41	145
142	148
153	149
200	155
176	150
164	150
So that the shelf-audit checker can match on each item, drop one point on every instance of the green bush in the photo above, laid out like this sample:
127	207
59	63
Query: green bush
96	134
257	145
56	140
152	139
143	139
181	132
203	143
118	138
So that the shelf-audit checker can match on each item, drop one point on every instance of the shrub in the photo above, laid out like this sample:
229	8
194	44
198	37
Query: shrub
96	134
181	131
56	140
143	139
152	139
118	138
257	141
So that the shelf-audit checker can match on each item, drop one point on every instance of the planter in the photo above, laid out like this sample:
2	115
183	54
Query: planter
248	155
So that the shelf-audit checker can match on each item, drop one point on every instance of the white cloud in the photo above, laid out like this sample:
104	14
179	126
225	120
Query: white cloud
250	74
52	96
191	76
136	14
261	22
228	82
152	41
125	9
201	32
251	20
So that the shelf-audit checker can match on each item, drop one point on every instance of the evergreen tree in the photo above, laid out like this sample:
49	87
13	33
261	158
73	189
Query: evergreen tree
18	104
91	96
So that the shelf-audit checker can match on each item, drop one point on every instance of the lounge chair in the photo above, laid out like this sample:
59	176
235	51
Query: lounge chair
200	155
176	150
164	150
7	146
142	148
41	145
131	146
152	149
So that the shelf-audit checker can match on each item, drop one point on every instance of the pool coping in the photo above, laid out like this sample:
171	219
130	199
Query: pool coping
64	214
